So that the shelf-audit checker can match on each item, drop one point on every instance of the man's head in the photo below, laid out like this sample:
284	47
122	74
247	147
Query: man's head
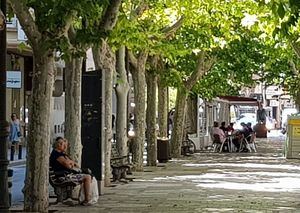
243	124
216	124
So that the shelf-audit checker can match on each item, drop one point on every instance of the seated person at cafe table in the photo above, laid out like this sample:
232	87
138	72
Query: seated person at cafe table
230	127
217	131
223	127
247	130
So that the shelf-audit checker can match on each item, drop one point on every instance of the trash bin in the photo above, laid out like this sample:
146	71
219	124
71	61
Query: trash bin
163	150
260	130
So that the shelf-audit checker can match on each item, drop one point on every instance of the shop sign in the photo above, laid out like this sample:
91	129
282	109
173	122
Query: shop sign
296	131
14	79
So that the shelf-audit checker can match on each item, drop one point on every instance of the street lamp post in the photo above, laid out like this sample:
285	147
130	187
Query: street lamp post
4	195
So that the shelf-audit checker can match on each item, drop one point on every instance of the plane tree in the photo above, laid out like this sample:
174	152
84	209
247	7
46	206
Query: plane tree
141	28
211	28
284	26
46	25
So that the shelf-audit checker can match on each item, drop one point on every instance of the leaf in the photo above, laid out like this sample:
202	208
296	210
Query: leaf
294	3
281	10
22	46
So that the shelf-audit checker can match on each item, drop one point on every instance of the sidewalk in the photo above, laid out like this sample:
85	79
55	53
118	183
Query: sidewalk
208	182
16	161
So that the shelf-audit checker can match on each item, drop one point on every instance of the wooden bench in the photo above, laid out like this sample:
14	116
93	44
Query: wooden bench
63	187
120	165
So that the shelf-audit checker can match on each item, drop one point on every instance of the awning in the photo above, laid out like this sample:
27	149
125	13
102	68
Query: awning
237	100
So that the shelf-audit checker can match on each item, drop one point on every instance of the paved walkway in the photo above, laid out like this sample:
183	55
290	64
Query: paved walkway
209	182
17	161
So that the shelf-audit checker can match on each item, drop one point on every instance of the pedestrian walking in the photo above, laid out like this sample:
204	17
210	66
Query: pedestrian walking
15	135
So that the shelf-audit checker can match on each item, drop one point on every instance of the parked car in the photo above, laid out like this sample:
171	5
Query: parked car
251	118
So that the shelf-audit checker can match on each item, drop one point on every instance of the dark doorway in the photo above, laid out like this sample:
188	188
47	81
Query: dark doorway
91	122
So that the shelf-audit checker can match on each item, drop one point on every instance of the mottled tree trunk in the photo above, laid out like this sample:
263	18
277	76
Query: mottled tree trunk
162	110
179	116
151	119
38	146
139	83
122	90
204	65
296	48
191	115
73	75
105	61
108	78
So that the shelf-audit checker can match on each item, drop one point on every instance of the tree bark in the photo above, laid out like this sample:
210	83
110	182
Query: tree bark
179	116
139	84
105	61
122	90
151	118
38	147
191	115
73	74
37	172
163	110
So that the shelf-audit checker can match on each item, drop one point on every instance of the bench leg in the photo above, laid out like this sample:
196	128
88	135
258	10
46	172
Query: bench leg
59	193
119	173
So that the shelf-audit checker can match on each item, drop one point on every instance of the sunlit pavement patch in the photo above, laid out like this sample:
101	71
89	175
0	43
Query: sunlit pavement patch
276	185
245	165
261	181
261	158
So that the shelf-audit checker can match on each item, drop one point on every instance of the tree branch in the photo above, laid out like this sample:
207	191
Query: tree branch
65	30
71	33
169	31
96	56
296	48
132	59
293	67
27	21
203	66
142	58
139	10
110	16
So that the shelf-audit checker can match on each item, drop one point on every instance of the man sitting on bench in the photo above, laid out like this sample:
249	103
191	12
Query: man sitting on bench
61	163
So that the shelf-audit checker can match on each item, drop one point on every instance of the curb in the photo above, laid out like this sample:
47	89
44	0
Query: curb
17	163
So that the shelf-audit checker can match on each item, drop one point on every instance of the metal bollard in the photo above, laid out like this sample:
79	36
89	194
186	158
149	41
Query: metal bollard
10	173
